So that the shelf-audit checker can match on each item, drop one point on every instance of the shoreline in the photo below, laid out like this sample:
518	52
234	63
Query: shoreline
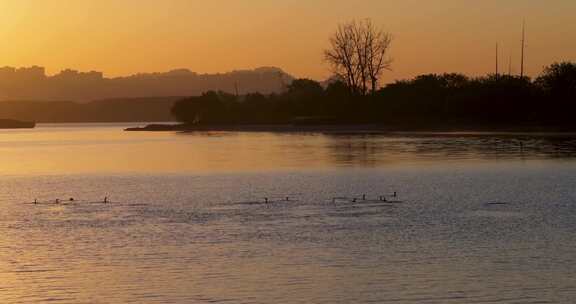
16	124
359	129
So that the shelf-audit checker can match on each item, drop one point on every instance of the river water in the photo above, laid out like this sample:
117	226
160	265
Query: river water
478	218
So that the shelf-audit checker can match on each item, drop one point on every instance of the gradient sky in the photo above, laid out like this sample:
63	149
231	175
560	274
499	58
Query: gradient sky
121	37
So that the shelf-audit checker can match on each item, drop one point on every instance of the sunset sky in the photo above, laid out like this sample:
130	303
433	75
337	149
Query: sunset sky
121	37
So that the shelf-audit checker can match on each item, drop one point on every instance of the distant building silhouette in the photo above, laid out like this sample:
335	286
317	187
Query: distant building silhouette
33	84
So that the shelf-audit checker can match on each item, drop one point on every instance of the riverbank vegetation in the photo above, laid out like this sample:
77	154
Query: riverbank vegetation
358	54
435	101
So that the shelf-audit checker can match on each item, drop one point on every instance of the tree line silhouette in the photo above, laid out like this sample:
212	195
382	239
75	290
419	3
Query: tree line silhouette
426	101
358	55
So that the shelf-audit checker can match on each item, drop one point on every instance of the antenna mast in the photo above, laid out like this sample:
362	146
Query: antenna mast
523	45
496	59
510	65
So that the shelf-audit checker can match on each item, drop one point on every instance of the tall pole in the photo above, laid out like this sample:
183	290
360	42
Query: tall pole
523	45
510	65
496	59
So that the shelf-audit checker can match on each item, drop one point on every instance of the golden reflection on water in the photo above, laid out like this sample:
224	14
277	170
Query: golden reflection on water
97	150
79	149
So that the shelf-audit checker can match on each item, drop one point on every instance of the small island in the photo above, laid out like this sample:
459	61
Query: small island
16	124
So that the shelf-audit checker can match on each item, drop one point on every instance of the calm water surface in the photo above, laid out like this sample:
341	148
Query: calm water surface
478	219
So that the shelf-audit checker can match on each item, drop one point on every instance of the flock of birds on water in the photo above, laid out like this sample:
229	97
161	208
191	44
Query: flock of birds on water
68	201
390	199
266	200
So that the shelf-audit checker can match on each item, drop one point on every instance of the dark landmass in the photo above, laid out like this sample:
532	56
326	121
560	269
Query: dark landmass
445	103
33	84
16	124
109	110
160	127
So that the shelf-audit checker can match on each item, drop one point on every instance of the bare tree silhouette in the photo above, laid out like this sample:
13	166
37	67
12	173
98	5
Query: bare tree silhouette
358	54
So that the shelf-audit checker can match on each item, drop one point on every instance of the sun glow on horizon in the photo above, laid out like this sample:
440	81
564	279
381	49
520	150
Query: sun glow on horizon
126	37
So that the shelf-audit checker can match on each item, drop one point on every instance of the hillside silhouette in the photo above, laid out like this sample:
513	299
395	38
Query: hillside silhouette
33	84
426	102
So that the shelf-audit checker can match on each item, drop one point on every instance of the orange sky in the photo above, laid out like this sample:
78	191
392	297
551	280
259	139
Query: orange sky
121	37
